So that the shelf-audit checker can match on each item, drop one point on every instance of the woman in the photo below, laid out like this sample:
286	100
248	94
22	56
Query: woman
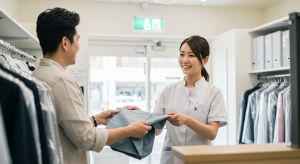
196	106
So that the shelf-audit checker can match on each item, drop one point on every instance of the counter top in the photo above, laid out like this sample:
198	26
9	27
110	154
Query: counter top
190	154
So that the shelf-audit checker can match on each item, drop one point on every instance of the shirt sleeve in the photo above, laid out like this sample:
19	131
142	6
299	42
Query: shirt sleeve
160	105
218	110
72	117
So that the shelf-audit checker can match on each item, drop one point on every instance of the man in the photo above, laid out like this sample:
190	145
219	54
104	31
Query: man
58	35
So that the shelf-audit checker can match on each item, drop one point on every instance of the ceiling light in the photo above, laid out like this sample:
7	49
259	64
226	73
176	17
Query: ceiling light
165	1
203	0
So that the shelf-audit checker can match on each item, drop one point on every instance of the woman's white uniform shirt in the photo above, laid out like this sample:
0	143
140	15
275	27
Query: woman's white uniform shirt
204	103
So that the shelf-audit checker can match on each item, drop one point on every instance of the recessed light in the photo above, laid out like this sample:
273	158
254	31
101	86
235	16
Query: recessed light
165	1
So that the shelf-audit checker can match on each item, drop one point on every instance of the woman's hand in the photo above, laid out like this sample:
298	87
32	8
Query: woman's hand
132	107
177	119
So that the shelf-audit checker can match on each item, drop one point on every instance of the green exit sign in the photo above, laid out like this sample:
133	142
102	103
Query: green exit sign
148	24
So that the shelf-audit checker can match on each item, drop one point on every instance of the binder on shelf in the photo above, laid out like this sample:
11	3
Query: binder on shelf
285	48
260	55
254	54
268	52
277	49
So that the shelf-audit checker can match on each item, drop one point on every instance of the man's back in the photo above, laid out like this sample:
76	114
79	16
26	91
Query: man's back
75	129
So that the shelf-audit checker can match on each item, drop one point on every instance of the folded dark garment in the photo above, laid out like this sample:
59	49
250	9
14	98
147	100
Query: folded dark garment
136	148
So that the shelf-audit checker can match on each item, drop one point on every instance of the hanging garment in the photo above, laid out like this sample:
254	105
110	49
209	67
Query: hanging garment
76	131
49	114
50	142
248	136
4	149
272	108
279	131
136	148
20	122
261	117
243	110
45	147
204	103
287	114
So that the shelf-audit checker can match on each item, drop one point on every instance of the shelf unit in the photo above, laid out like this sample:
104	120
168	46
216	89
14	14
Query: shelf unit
281	24
14	33
270	70
277	25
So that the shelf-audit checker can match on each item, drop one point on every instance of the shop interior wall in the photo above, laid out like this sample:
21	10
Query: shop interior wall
117	18
227	40
12	7
280	10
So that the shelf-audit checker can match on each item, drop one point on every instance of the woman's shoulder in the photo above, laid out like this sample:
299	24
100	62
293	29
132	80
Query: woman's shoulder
212	88
173	86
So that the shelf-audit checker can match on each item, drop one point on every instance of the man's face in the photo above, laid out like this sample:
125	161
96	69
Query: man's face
74	48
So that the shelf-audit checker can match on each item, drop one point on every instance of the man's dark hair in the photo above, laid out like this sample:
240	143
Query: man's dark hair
53	25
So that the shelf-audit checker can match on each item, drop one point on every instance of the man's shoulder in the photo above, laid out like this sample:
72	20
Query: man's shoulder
51	77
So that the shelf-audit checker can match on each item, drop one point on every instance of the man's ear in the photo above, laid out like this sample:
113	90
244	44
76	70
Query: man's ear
64	43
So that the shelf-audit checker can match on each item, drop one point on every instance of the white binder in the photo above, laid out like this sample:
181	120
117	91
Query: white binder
286	48
277	49
268	52
254	54
260	52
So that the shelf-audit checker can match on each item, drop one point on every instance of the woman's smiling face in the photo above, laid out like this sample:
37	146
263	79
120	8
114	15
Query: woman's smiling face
188	61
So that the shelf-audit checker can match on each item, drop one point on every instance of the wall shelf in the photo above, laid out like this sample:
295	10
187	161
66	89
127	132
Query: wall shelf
277	25
270	70
14	33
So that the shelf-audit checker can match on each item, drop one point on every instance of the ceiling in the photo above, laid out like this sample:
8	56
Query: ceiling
258	4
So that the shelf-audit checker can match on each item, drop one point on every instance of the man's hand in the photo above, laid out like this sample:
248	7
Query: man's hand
132	107
177	119
138	129
103	117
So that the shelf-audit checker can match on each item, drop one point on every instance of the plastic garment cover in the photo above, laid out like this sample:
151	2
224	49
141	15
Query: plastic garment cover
272	108
261	117
4	150
136	148
279	123
287	114
248	136
49	115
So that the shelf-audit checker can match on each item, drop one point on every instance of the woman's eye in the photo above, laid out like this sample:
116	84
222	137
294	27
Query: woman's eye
192	55
181	55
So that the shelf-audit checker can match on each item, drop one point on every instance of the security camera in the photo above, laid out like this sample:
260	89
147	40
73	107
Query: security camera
145	6
158	43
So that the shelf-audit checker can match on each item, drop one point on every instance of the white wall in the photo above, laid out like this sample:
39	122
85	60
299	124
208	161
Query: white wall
117	18
238	45
227	40
280	10
11	7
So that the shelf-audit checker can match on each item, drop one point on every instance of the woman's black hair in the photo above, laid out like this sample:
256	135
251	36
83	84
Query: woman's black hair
200	48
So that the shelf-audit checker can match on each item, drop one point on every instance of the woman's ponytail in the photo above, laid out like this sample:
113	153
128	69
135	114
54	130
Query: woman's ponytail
205	73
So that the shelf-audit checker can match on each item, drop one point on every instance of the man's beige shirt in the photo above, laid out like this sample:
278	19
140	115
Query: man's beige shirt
76	131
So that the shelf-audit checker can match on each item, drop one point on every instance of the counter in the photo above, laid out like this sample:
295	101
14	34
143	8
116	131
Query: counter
237	154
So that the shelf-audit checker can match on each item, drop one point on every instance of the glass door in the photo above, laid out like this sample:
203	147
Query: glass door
163	72
116	82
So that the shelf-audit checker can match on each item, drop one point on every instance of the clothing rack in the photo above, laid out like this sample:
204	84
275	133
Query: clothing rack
14	52
259	77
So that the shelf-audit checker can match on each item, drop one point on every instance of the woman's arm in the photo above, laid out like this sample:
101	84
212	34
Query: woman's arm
208	131
159	131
